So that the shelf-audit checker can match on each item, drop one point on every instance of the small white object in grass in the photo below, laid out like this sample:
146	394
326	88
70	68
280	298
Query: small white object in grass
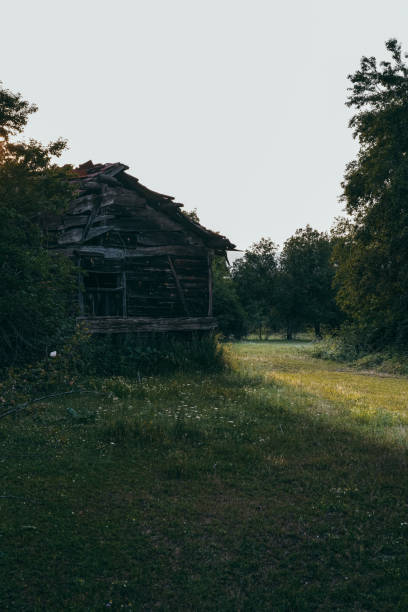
53	354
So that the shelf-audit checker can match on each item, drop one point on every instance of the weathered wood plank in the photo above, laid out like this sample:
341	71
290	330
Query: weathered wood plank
124	295
103	289
148	268
210	287
129	198
73	221
194	278
89	224
84	204
108	180
103	266
116	253
112	325
191	262
71	236
93	232
80	286
178	285
137	297
148	214
107	199
103	218
108	253
159	238
135	235
90	186
161	312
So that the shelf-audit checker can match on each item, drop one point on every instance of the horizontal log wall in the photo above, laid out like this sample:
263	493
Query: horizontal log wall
103	325
157	286
115	236
162	262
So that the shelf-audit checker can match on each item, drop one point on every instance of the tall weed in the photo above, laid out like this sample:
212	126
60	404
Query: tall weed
132	354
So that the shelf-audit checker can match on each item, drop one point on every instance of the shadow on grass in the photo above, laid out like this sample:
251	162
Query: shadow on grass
269	508
277	341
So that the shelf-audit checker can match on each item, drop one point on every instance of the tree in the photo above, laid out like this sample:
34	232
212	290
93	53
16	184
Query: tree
35	286
255	277
306	296
191	214
371	253
14	113
231	316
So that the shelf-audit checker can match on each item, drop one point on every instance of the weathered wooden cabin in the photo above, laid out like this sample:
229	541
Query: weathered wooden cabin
146	265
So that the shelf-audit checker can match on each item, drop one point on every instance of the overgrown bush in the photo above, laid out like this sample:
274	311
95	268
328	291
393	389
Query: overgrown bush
86	357
346	345
35	286
132	354
350	346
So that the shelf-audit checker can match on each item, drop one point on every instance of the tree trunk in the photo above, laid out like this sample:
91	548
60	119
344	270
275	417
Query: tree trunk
317	330
289	333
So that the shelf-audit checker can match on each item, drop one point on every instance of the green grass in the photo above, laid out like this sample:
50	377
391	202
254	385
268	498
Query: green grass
278	486
378	403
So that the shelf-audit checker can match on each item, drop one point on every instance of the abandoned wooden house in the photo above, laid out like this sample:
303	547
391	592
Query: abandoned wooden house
146	265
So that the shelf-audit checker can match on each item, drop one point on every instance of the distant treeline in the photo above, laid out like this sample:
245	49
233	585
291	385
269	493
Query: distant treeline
355	279
351	282
265	292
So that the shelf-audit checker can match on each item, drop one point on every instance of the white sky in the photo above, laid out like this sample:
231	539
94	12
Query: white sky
235	107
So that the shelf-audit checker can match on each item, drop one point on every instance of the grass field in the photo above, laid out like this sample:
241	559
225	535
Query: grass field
278	486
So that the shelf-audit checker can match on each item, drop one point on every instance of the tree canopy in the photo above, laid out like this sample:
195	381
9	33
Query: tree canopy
306	295
255	277
371	252
14	112
34	284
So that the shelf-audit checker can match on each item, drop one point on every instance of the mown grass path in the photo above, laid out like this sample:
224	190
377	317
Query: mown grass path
379	401
281	486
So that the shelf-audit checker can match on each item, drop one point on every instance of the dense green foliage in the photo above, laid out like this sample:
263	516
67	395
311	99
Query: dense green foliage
14	113
255	278
84	357
133	355
371	251
35	287
358	274
227	307
306	294
290	291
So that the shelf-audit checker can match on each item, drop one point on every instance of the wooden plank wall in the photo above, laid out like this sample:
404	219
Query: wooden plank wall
158	267
103	325
157	286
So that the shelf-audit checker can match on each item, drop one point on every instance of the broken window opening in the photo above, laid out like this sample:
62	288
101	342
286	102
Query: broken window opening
104	294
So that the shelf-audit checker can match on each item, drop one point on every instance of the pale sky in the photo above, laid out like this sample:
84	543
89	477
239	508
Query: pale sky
235	107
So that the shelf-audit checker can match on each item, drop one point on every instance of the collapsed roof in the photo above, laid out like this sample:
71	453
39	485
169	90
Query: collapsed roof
102	188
